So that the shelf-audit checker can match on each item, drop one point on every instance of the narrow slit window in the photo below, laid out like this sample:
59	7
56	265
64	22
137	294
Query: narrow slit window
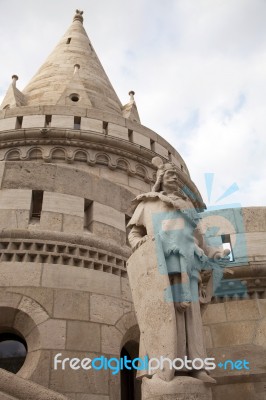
68	40
128	229
182	167
87	214
36	205
169	156
19	122
77	121
130	135
226	243
152	145
48	120
105	128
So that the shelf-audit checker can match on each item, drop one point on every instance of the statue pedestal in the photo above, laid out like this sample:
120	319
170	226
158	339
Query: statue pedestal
180	388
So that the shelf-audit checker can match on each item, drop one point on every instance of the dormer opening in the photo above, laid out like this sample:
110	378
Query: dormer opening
74	97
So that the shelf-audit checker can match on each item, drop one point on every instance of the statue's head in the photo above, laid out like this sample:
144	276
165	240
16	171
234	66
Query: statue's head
167	176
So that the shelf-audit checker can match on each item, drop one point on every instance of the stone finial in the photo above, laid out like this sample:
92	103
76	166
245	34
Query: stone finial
76	68
131	94
14	80
78	16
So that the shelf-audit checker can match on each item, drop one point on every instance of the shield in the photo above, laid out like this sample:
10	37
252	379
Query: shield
155	315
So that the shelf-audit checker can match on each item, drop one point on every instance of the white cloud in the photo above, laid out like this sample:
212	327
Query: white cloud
198	69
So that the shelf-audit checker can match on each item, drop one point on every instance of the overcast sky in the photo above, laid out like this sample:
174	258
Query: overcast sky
198	68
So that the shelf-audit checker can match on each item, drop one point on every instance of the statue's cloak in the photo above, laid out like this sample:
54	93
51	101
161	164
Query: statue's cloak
155	315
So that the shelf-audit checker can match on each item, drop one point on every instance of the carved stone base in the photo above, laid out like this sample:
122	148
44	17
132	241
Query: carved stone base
180	388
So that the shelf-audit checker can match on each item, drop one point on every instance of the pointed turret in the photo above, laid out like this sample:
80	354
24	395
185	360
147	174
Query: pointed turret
13	97
130	110
73	74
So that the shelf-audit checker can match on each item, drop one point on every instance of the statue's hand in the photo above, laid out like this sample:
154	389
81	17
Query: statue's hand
141	241
181	307
223	255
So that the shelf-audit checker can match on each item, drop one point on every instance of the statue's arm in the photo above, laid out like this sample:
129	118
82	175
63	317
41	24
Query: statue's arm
137	236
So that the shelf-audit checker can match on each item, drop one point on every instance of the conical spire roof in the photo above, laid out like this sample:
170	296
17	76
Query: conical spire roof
73	74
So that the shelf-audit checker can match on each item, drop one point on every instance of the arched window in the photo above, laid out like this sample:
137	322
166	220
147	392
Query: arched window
13	351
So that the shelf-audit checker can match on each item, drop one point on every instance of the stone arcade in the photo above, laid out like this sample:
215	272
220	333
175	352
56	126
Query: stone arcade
72	158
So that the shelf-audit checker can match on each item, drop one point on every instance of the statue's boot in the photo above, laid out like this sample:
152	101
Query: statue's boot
204	377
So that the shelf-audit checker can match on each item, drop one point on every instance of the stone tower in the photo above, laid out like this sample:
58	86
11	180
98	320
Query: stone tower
72	159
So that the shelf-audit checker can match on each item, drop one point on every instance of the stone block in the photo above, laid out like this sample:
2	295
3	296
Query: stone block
22	219
36	312
82	183
242	310
8	123
108	216
83	336
43	296
214	314
33	121
256	243
86	280
139	184
107	310
9	299
262	307
127	322
63	204
159	149
254	219
176	161
260	334
108	232
53	334
62	121
91	124
118	131
69	304
14	199
141	140
125	288
236	391
24	325
51	221
111	339
8	219
80	381
114	176
20	274
232	333
254	354
72	223
32	175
